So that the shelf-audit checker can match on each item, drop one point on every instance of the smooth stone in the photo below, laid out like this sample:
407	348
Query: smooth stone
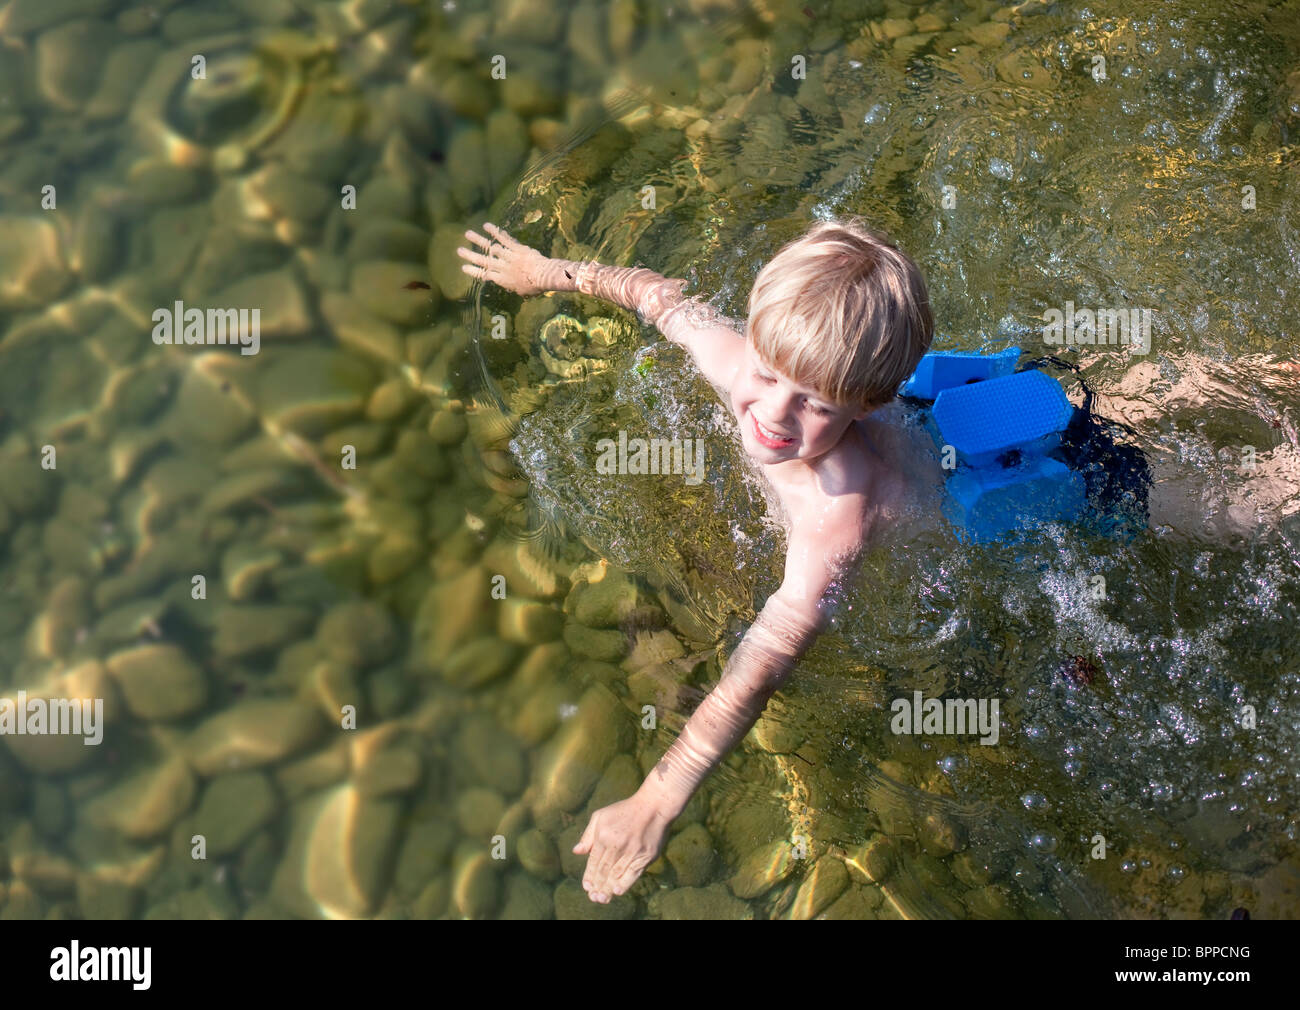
819	888
121	80
621	778
1023	69
317	771
253	733
692	855
602	645
56	753
205	414
51	811
245	489
526	622
572	902
382	287
448	427
359	329
333	686
422	345
279	298
69	60
932	873
386	197
852	905
106	899
989	34
286	194
337	860
539	716
392	771
159	682
245	629
388	691
232	809
24	486
526	899
875	861
525	568
368	441
604	603
493	755
479	662
475	884
532	87
23	16
454	611
227	255
385	239
478	812
96	246
652	648
571	764
391	401
245	567
537	855
147	804
989	902
711	903
445	263
156	183
313	390
424	853
32	267
762	869
361	633
969	870
940	835
507	146
433	900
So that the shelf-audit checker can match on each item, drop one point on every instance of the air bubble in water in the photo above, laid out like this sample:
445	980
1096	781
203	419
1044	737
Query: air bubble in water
1043	842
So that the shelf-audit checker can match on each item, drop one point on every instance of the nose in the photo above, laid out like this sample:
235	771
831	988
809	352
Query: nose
775	405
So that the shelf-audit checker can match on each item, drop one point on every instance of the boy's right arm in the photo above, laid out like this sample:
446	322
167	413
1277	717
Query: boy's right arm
715	345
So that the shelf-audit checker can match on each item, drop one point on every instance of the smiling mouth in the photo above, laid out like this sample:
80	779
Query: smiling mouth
768	438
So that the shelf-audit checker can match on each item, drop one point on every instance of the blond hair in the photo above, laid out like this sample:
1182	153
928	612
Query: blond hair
842	310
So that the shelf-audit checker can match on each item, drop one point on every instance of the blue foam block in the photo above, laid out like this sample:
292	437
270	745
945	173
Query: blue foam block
1026	411
940	370
986	504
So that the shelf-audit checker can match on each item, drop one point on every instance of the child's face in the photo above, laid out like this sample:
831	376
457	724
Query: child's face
781	420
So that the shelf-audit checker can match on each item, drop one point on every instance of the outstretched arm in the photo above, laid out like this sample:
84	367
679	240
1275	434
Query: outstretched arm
711	338
623	838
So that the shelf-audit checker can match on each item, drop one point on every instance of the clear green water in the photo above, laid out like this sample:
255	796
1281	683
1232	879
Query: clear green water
477	717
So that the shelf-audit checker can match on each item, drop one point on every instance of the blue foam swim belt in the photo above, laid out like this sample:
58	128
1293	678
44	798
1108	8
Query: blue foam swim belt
1000	425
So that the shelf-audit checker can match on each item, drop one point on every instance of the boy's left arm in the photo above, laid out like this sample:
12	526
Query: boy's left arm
623	838
784	629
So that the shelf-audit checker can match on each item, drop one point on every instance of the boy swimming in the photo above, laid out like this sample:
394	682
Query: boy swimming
838	319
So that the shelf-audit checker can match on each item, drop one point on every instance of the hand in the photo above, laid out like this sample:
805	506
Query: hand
513	265
622	839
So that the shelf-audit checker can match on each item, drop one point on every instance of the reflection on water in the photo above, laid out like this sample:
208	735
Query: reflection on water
366	615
